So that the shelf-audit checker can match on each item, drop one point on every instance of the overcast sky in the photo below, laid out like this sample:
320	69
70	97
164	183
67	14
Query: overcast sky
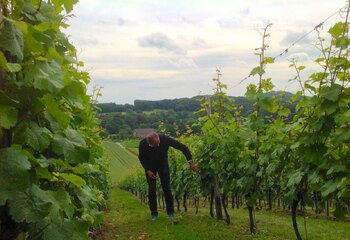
166	49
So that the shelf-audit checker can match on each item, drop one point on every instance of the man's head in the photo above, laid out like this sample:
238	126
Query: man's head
153	139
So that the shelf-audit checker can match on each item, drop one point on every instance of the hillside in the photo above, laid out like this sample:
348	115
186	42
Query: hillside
180	104
120	160
171	115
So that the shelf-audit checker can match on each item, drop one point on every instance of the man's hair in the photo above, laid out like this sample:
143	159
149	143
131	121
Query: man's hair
150	136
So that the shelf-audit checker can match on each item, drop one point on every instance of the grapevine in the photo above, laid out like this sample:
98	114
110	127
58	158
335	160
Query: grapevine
53	178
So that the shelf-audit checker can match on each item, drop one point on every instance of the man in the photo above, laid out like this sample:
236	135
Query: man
153	155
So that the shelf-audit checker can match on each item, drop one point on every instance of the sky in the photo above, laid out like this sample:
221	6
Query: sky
158	49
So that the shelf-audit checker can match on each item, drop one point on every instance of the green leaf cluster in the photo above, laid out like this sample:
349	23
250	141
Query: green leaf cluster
299	156
53	177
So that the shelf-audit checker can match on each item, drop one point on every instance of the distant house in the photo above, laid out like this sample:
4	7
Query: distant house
142	132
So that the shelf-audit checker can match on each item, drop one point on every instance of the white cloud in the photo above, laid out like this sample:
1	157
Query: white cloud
160	41
166	49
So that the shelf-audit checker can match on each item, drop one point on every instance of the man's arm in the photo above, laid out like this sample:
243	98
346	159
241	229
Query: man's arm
180	146
184	149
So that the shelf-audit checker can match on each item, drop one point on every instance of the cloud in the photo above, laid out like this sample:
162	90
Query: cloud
223	58
199	42
228	22
122	22
292	36
239	19
193	41
172	19
177	63
299	57
124	90
189	21
302	52
160	41
87	41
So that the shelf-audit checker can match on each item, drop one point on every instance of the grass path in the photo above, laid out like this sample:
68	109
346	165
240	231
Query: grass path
128	218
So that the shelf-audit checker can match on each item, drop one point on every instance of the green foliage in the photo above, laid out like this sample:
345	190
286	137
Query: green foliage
181	104
176	116
297	154
115	122
14	171
54	179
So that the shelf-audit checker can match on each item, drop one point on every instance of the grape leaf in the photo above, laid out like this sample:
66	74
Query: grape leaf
11	40
62	145
66	229
14	173
29	133
61	202
328	188
8	116
46	76
68	4
62	118
31	206
75	137
75	179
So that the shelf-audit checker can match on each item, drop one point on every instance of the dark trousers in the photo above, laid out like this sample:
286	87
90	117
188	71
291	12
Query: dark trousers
164	175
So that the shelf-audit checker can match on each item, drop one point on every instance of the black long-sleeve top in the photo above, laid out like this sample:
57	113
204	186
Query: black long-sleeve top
154	158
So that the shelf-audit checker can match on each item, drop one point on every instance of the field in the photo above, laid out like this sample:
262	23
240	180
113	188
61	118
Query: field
128	218
131	145
121	161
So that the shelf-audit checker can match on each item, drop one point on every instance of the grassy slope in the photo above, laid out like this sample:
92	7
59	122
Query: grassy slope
127	218
132	145
122	162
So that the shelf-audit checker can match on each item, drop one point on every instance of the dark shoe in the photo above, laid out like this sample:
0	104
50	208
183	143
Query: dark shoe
154	217
171	215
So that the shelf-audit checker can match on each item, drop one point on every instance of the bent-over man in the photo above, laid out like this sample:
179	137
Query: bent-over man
153	155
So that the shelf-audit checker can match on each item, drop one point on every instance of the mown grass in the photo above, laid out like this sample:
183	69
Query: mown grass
121	161
128	218
132	145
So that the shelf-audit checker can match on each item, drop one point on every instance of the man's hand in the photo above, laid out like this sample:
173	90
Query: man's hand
193	166
151	175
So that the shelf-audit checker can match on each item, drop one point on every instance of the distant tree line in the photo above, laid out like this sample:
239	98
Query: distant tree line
113	107
174	116
121	124
181	104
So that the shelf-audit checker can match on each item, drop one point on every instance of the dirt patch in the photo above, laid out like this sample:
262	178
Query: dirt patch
107	231
143	236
